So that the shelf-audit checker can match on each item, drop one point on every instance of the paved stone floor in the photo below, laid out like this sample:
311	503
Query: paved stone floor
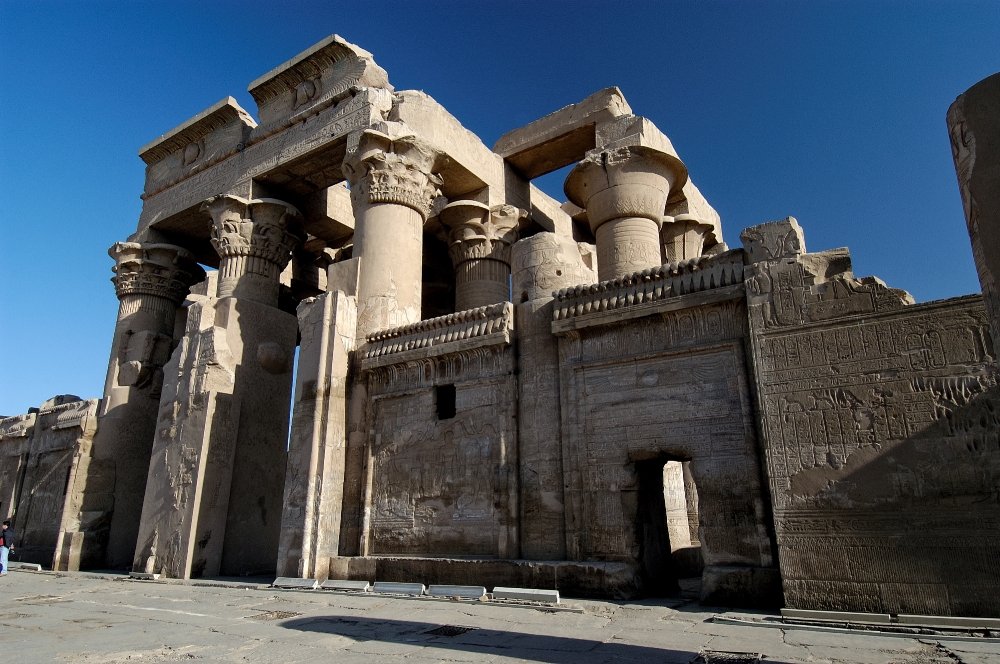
46	617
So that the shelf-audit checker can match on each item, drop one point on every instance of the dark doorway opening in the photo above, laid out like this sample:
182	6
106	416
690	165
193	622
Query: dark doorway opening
655	562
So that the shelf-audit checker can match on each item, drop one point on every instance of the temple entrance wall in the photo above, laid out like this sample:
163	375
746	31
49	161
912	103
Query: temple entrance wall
640	392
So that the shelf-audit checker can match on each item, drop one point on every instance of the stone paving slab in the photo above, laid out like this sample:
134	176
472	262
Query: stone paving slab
88	618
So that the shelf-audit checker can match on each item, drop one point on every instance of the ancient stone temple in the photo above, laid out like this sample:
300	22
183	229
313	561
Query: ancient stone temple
497	388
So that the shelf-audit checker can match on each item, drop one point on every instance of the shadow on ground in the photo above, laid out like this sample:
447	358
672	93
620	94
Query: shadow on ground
488	642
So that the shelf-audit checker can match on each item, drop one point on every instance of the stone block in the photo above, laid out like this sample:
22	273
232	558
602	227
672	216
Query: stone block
773	240
473	592
28	567
345	584
313	80
562	137
527	594
836	616
396	588
143	576
949	621
328	214
293	582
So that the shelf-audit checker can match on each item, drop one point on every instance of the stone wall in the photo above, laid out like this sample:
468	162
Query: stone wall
440	482
880	427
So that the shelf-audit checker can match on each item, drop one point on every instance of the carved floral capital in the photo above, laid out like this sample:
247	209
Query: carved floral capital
261	228
393	167
163	270
478	231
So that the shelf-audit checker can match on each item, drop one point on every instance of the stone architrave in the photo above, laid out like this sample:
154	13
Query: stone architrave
974	128
223	417
624	191
480	241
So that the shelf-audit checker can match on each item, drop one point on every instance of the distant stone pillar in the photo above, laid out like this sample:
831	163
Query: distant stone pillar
151	280
480	242
625	192
974	127
254	240
392	189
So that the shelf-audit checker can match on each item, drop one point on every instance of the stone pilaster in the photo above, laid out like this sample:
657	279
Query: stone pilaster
625	191
480	241
254	240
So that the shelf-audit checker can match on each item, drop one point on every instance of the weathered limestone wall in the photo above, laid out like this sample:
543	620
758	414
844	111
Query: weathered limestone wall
664	379
15	444
440	482
51	501
974	127
880	433
542	264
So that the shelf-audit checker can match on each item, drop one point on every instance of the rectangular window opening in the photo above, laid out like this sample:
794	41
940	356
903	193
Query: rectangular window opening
445	395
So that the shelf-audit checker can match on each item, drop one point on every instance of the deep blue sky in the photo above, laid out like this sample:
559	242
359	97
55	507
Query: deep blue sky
831	112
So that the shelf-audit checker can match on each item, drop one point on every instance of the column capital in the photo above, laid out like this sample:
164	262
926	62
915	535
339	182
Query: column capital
162	270
393	165
259	228
477	231
628	181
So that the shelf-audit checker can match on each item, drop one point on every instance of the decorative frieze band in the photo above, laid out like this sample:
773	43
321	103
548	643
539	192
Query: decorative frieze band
667	281
162	270
459	326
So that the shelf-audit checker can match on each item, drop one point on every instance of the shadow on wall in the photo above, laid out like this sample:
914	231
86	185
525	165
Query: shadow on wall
488	642
911	519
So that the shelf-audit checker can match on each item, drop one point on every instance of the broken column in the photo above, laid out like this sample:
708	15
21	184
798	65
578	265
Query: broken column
974	127
151	280
624	191
223	418
480	239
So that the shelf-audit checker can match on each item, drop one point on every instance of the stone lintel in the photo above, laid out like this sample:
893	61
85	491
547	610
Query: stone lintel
300	159
562	137
219	114
470	165
328	214
317	77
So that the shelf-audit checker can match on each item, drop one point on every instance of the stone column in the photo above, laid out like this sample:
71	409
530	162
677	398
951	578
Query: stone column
974	127
683	237
223	416
254	240
480	242
151	280
392	189
625	193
